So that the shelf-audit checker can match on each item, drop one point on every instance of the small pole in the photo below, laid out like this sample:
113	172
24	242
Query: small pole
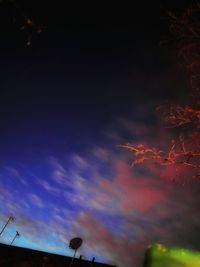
16	235
73	258
10	219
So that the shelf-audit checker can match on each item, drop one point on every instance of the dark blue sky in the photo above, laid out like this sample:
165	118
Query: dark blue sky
89	65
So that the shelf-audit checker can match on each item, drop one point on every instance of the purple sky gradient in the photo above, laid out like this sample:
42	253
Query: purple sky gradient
90	82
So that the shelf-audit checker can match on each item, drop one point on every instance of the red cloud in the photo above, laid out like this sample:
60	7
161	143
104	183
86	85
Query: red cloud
133	192
114	246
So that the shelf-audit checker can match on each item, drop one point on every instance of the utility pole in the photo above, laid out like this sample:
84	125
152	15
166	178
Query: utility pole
10	219
16	235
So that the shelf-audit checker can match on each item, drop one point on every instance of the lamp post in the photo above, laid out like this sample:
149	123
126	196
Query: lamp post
10	219
16	235
75	243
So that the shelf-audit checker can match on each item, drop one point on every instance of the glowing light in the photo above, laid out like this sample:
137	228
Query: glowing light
158	255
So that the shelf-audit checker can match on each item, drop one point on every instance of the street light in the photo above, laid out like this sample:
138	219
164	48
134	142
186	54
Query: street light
16	235
10	219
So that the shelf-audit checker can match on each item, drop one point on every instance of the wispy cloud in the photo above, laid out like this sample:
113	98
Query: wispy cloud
59	173
15	174
117	210
47	186
36	200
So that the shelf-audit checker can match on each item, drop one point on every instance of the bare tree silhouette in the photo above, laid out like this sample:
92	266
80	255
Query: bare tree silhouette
184	149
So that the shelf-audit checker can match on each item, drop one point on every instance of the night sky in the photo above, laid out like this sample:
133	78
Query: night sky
69	96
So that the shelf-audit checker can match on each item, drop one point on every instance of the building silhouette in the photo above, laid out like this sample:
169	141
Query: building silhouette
22	257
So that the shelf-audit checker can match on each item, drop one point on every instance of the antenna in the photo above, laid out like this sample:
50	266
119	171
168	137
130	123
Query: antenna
16	235
10	219
75	243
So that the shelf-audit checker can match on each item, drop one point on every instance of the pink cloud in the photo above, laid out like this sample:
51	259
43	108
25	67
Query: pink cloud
133	193
117	248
